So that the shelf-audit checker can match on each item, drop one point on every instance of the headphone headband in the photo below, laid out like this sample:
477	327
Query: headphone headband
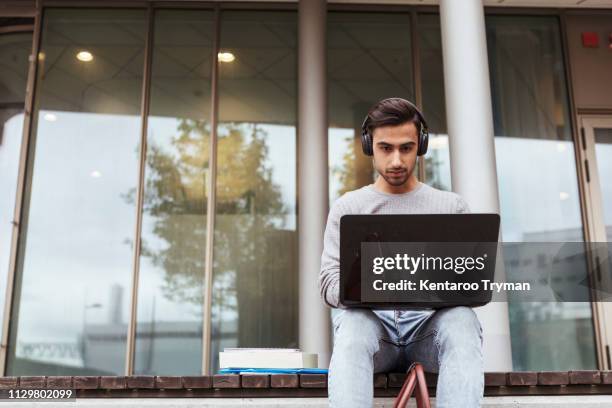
367	143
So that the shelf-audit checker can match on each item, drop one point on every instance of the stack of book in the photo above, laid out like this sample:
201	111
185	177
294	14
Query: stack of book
268	360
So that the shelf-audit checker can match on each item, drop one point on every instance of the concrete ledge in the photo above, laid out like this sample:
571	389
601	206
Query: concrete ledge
591	401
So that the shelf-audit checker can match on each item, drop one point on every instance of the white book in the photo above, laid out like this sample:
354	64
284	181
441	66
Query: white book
266	358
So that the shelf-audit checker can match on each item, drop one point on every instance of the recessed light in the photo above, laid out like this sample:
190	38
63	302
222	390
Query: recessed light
84	56
95	174
50	117
563	196
226	57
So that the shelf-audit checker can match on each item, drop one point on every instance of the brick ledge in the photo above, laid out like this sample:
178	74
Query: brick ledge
304	385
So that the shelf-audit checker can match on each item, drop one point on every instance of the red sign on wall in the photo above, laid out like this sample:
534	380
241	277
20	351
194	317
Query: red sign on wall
590	40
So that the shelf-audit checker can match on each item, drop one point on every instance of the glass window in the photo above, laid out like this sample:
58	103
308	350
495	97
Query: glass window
14	52
603	153
369	57
538	203
255	276
169	323
437	159
76	249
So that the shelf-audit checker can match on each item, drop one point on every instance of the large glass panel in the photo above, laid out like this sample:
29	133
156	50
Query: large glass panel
538	202
76	248
369	58
255	279
603	152
437	160
14	52
169	324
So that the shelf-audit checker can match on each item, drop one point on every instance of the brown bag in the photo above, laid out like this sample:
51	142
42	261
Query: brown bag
414	379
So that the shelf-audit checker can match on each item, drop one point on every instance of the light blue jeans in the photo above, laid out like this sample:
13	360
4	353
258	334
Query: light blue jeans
447	341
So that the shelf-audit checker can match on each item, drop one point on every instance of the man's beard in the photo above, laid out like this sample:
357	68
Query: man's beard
400	180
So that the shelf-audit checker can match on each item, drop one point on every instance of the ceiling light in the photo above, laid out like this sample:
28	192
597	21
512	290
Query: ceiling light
226	57
50	117
84	56
561	147
95	174
563	196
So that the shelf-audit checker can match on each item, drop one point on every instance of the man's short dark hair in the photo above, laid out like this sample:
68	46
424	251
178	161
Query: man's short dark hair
392	112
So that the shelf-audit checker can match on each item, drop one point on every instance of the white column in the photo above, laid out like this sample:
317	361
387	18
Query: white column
312	175
472	150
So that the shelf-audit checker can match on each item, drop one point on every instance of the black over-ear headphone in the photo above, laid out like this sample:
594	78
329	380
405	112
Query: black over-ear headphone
367	140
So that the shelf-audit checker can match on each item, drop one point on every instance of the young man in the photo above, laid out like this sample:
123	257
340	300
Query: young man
447	341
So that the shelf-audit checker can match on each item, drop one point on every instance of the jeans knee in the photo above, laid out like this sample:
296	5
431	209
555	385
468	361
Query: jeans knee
459	327
357	331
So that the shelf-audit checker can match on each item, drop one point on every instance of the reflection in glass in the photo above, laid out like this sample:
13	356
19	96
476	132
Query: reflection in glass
603	153
437	160
538	203
169	323
255	280
75	251
369	58
14	52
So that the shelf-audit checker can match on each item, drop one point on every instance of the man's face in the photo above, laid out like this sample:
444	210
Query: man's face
395	151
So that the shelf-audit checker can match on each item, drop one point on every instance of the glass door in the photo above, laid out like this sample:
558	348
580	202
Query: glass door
15	49
598	143
597	160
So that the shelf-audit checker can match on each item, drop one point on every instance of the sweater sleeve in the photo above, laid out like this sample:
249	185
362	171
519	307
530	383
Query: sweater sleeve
329	276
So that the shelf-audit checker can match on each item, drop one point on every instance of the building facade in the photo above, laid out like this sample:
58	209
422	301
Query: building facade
166	167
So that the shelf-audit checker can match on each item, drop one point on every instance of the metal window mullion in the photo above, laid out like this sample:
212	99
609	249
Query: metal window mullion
21	183
416	77
146	86
210	209
14	29
96	3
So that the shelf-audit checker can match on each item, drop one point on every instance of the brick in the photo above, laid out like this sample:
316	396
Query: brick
584	377
380	380
113	383
606	377
284	381
313	380
141	381
168	382
396	380
197	382
226	381
32	382
553	378
59	382
495	379
522	378
7	383
255	381
85	382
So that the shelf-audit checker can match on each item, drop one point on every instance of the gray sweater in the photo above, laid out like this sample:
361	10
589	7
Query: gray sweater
368	200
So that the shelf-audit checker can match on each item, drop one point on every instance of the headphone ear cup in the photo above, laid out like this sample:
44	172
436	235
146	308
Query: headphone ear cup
423	142
366	143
